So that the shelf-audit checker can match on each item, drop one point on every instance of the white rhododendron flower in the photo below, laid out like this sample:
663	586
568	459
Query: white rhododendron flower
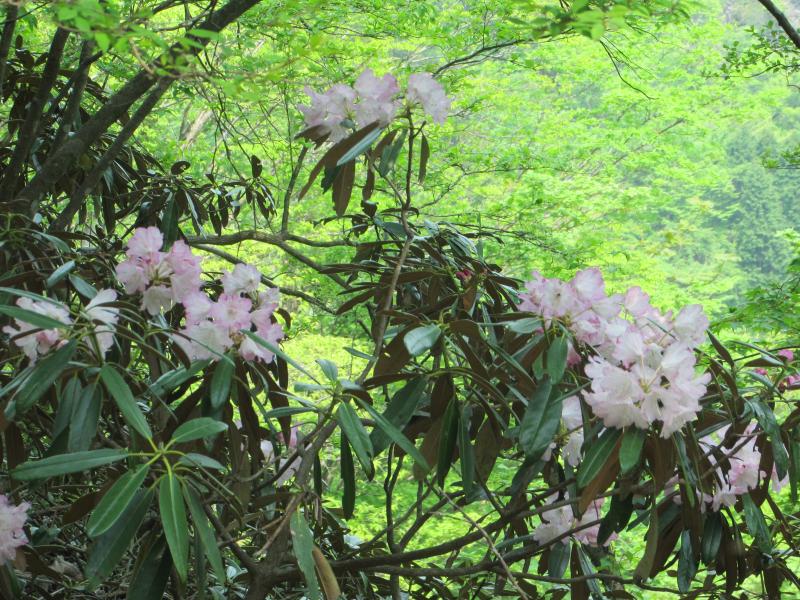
12	536
32	339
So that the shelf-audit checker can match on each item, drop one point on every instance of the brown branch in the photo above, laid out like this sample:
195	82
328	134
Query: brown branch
787	27
12	10
72	110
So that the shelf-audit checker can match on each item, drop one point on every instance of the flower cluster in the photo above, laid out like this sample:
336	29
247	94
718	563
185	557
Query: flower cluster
559	520
12	536
372	99
212	327
35	341
163	278
642	368
745	472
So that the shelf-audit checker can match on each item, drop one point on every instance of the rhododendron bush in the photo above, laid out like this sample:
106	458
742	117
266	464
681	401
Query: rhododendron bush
159	442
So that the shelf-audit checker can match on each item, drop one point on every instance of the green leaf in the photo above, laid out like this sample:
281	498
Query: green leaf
288	411
303	545
466	453
60	273
33	318
123	396
399	410
447	441
361	147
116	500
597	455
196	429
200	460
687	567
712	537
756	524
348	478
221	382
766	418
31	295
110	547
395	435
173	519
61	464
202	527
172	379
82	287
540	422
40	379
524	326
558	560
358	437
330	370
84	419
152	573
557	358
630	451
421	339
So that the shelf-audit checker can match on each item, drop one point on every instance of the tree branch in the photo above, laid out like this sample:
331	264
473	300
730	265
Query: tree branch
787	27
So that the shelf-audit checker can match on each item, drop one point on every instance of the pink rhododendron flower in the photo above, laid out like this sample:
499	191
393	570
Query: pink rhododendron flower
572	419
145	242
375	98
425	90
643	368
12	536
231	313
244	279
330	110
38	341
786	354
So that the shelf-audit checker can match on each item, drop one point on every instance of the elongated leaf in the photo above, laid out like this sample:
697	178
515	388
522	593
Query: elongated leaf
559	559
421	339
357	436
756	524
82	287
203	529
330	369
303	544
524	326
557	358
221	383
33	318
31	295
152	573
447	441
399	411
597	455
766	418
110	547
330	585
348	478
712	537
60	273
85	418
40	380
280	353
172	379
424	154
687	567
396	435
196	429
361	146
116	500
62	464
173	519
630	451
466	453
123	397
201	460
540	421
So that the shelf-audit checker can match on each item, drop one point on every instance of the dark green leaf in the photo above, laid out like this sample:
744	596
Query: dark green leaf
196	429
152	573
687	567
358	437
630	450
597	455
116	501
421	339
756	524
712	537
62	464
395	435
110	547
221	383
123	396
447	441
540	421
85	417
201	460
60	273
173	520
557	358
82	287
399	410
348	478
329	369
33	318
303	545
40	379
524	326
203	529
559	559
